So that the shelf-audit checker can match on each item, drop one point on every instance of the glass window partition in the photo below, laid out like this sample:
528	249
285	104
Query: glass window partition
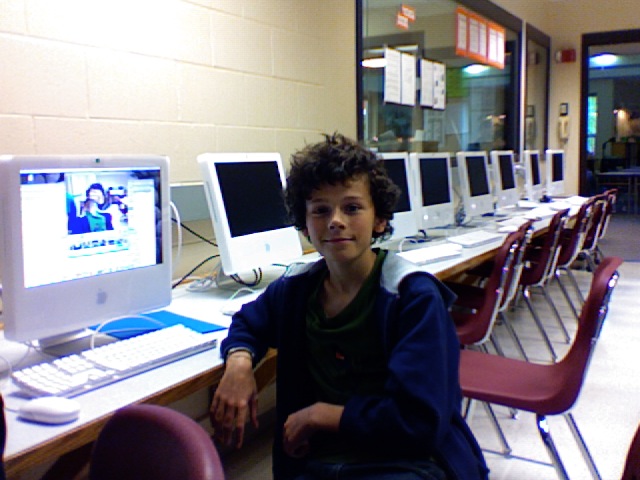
479	105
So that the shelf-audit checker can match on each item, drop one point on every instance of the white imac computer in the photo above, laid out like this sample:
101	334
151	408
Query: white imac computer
84	240
405	218
555	172
533	180
435	189
505	185
245	193
473	171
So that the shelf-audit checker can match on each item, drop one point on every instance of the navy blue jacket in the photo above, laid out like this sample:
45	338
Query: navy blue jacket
418	415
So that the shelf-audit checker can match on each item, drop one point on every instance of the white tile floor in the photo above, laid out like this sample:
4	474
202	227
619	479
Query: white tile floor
607	412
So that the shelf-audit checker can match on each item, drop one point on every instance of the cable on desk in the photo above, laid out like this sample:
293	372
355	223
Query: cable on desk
196	234
190	272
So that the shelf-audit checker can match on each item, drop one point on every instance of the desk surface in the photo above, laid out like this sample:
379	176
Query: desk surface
29	444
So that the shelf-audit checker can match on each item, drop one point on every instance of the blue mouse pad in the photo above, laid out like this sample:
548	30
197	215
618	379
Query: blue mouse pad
127	327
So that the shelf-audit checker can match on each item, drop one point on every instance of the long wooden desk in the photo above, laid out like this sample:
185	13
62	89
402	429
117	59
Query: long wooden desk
30	444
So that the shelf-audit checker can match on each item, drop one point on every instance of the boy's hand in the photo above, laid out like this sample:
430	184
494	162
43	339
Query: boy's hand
235	400
301	425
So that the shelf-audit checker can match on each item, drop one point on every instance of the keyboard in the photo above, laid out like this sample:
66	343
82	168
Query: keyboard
476	238
432	253
79	373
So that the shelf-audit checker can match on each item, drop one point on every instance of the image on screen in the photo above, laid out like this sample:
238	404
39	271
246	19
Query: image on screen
93	222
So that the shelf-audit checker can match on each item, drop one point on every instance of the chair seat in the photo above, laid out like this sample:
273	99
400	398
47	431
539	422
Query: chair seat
469	296
466	328
514	383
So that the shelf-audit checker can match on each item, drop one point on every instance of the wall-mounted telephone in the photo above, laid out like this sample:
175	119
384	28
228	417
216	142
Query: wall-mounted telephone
563	128
563	123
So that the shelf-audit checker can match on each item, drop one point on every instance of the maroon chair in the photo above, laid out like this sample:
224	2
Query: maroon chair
480	306
151	442
545	389
541	258
601	206
570	245
632	465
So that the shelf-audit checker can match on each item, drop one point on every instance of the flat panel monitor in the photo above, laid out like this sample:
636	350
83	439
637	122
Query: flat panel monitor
533	180
85	239
245	193
555	172
473	171
435	189
405	218
505	183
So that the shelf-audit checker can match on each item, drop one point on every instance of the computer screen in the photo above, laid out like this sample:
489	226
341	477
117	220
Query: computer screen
405	218
555	171
245	193
505	184
435	192
473	171
85	239
533	180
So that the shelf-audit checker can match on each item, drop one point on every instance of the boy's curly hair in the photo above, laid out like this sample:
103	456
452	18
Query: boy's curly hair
336	160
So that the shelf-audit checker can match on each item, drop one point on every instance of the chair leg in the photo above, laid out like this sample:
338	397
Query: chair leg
583	446
545	434
496	345
576	287
564	291
512	332
547	297
506	448
526	294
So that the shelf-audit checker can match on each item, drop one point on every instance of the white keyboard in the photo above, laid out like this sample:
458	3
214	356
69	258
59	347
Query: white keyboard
476	238
78	373
527	204
432	253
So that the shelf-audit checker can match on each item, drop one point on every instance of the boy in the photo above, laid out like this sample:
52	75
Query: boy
367	375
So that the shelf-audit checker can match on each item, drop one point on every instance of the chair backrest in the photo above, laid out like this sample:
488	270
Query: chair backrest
541	260
497	285
573	367
513	275
572	239
632	465
145	442
611	196
597	221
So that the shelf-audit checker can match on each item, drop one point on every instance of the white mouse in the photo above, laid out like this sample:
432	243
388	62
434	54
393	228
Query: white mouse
52	410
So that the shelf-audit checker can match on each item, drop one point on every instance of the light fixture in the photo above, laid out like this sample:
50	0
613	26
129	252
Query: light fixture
475	69
603	60
379	62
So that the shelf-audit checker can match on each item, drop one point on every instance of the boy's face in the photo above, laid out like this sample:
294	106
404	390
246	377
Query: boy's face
341	220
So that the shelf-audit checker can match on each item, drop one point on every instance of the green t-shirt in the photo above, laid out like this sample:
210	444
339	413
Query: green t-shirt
345	355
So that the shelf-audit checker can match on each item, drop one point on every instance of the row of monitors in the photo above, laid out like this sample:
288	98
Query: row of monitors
487	182
89	237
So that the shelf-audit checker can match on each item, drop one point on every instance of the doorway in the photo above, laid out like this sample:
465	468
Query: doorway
610	116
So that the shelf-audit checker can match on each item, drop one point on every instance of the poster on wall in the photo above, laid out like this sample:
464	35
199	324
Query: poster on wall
408	94
479	39
426	83
439	85
392	76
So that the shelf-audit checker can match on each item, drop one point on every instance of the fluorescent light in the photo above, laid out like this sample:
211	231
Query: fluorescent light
380	62
603	60
475	69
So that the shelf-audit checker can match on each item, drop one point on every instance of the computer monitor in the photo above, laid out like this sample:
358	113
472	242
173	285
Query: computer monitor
435	189
245	193
473	171
504	178
85	239
532	178
555	172
405	218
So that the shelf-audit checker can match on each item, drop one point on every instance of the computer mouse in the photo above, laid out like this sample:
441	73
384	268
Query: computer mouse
51	410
